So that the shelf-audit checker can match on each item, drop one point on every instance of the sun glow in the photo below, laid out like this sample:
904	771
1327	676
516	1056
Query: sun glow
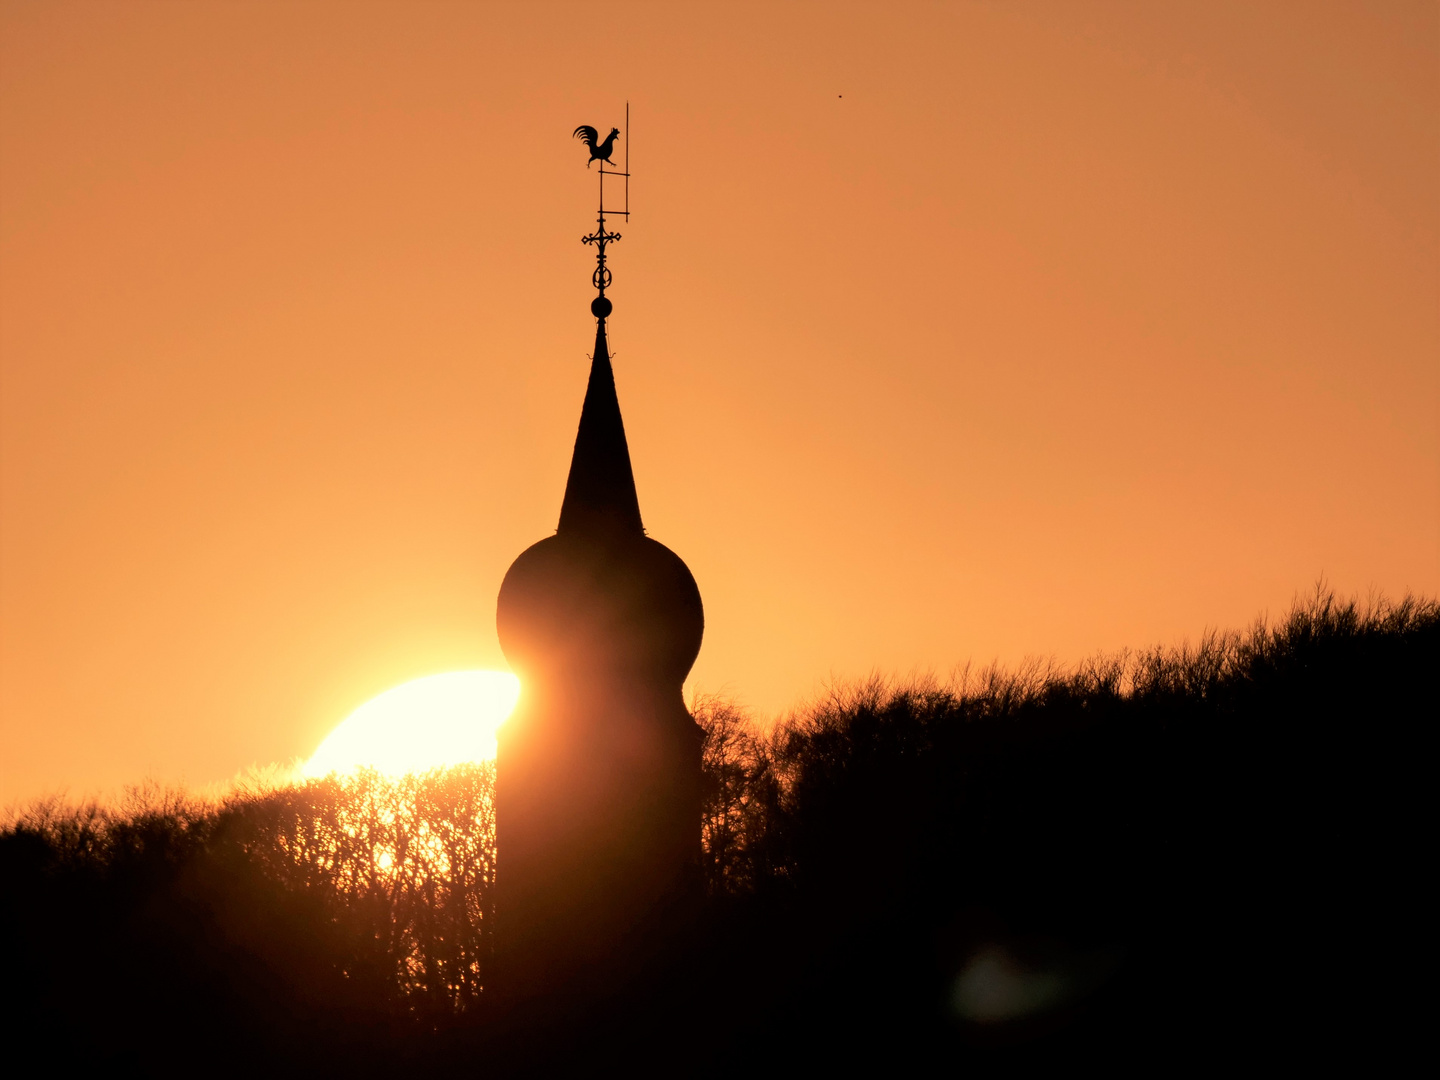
428	723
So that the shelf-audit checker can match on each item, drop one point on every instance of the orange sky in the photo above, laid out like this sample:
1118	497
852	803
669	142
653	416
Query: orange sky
1069	326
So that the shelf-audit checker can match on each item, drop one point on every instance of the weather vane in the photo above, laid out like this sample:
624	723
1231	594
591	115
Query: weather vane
600	151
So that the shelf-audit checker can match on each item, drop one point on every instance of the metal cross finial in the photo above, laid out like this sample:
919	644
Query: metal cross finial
602	237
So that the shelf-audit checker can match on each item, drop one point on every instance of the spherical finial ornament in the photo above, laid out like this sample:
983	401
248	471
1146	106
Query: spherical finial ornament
601	307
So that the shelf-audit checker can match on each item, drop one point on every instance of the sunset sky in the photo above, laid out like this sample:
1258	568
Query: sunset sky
943	332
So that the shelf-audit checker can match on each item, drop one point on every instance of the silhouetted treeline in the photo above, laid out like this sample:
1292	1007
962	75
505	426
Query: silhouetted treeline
1185	849
309	925
1198	848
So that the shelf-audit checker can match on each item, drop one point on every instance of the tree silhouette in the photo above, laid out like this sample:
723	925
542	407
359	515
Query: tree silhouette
1176	846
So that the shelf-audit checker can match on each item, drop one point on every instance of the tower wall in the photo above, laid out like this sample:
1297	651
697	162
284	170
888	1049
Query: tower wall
598	770
598	810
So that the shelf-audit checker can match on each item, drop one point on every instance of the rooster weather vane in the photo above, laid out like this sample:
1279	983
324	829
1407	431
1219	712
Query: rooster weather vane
600	151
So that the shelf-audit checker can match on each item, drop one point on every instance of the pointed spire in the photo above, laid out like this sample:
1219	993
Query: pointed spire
600	494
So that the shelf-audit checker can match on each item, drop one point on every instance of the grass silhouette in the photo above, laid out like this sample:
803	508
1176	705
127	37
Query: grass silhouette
1176	847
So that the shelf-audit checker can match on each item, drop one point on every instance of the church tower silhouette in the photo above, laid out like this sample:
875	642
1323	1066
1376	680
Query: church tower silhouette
598	770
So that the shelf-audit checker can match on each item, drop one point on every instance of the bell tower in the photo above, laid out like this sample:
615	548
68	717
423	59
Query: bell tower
598	769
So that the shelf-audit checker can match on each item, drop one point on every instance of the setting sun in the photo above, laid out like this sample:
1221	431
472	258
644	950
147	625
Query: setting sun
423	724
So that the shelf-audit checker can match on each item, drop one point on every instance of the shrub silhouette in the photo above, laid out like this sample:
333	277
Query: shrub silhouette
1182	846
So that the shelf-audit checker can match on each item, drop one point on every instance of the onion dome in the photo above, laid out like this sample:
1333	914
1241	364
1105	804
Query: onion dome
600	597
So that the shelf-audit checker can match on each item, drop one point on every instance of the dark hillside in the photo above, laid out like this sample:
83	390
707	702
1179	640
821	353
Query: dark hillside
1169	851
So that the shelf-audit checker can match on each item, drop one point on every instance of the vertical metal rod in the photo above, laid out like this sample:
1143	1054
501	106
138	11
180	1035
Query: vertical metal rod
627	161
